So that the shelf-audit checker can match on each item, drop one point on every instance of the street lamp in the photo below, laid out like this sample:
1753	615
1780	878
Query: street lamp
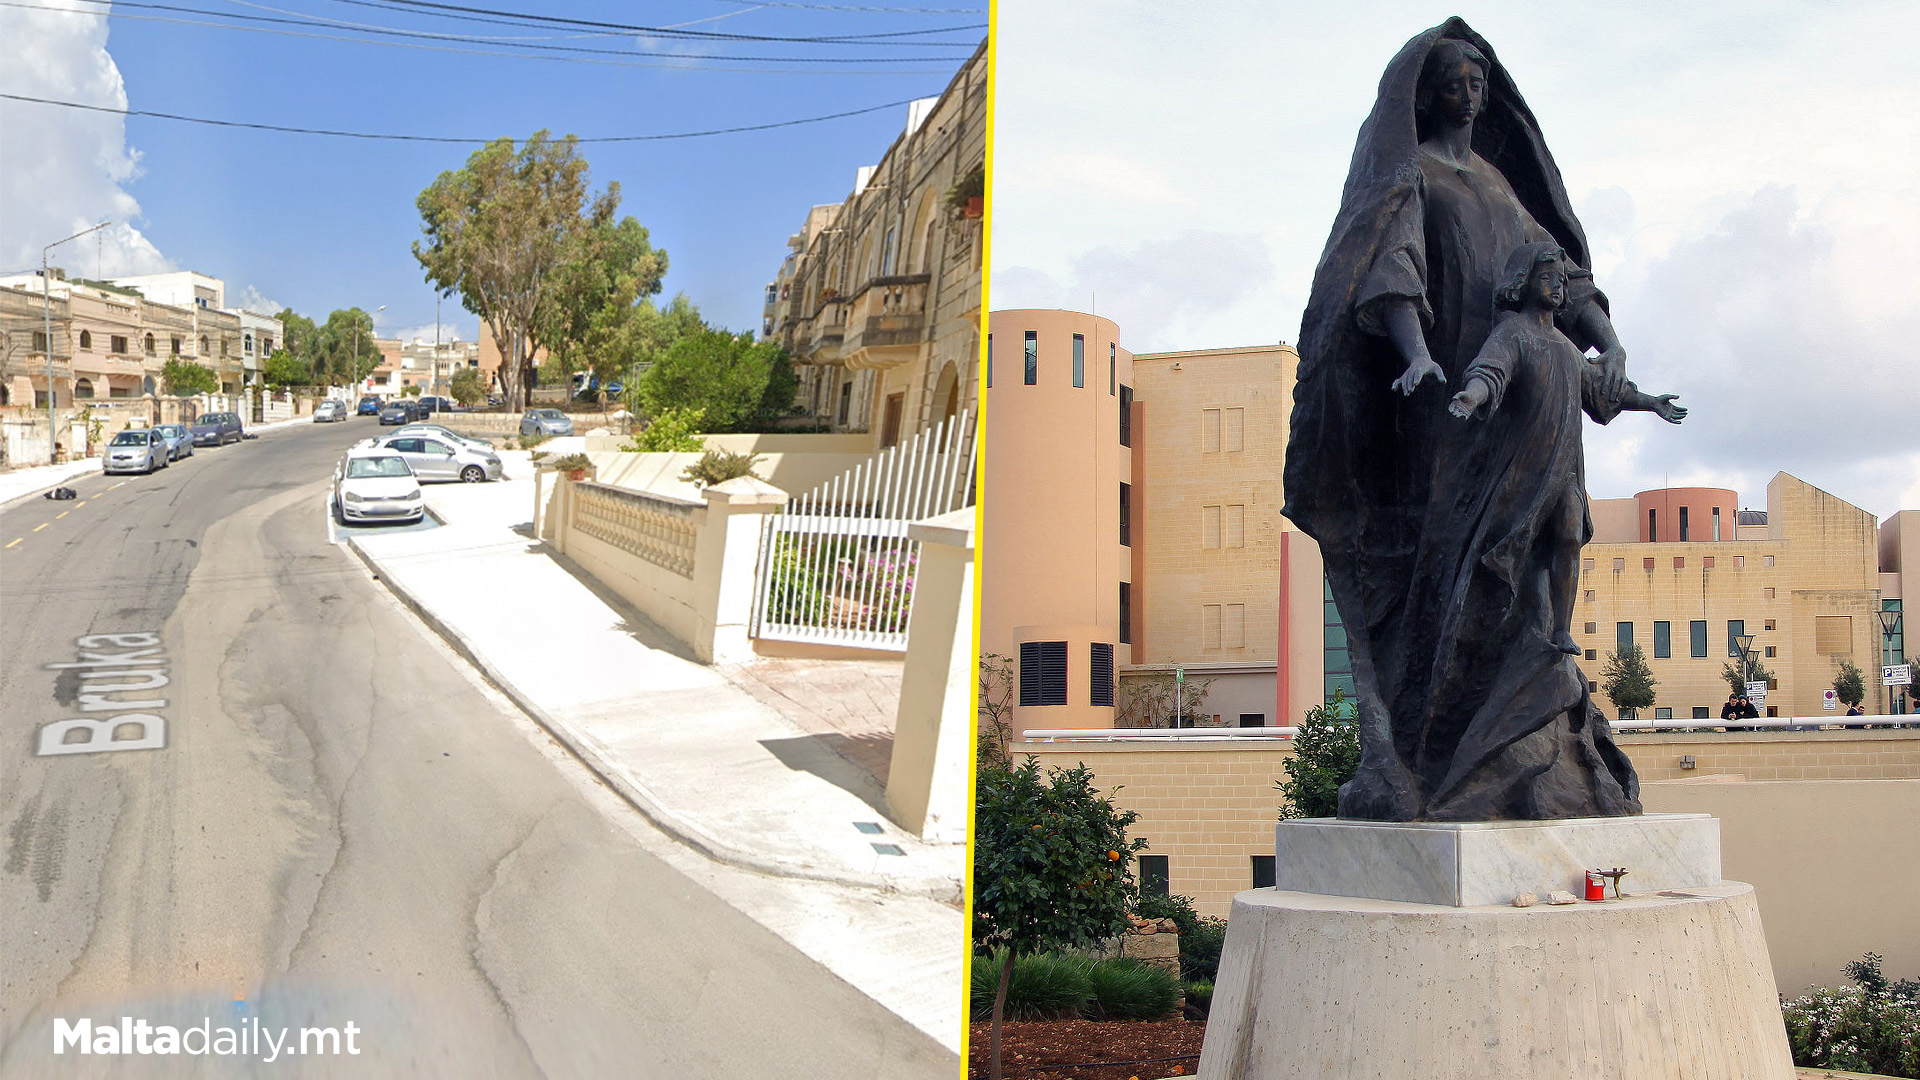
46	311
1889	626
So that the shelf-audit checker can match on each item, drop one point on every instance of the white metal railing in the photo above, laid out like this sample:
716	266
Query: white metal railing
837	566
1263	734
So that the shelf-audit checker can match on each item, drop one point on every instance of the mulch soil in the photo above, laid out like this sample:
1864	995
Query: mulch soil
1076	1049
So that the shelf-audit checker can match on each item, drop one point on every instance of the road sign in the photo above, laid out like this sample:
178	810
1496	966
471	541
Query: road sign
1829	699
1896	675
1757	693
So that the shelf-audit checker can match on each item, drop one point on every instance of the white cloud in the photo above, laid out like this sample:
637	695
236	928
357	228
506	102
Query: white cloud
254	300
79	165
1746	175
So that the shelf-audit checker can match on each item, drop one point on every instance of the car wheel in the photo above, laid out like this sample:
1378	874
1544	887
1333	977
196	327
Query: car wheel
473	474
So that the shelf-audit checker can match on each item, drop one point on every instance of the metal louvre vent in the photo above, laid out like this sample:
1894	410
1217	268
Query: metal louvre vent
1102	672
1043	673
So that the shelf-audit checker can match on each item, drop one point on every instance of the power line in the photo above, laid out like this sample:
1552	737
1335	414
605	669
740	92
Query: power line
668	61
432	6
447	138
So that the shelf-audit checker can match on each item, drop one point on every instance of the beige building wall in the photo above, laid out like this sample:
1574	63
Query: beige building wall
1209	535
1807	592
1828	841
1053	563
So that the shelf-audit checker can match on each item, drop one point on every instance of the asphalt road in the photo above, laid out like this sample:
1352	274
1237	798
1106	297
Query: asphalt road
341	824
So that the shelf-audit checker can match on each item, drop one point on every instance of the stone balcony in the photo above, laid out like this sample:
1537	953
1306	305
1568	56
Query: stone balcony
888	324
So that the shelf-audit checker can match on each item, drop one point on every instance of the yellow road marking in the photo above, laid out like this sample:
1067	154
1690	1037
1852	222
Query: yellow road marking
15	542
61	514
122	483
42	525
80	504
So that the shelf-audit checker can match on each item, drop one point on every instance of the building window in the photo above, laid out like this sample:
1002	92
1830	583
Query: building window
1586	565
1716	524
1587	596
40	342
1043	673
1769	624
1126	416
176	346
1590	628
1653	526
846	402
1153	873
1697	638
1619	565
1338	663
1701	712
1113	367
1593	687
1679	562
118	343
1685	535
989	361
1739	562
1263	877
1101	668
1767	593
1662	640
1590	655
1126	515
1253	719
147	342
1893	648
1079	360
203	345
1647	563
1663	713
1735	628
1622	635
1766	562
82	388
1771	651
1209	431
1706	562
86	339
1033	358
1126	613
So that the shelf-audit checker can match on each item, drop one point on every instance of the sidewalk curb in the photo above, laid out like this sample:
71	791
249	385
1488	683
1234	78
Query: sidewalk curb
603	764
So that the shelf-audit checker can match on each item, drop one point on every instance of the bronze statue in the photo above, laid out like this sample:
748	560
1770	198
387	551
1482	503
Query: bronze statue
1452	549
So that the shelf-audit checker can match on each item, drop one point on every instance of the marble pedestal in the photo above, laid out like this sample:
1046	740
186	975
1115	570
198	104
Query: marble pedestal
1461	864
1662	986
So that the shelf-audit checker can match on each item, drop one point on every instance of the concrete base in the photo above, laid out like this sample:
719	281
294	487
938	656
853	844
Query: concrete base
1672	986
1463	864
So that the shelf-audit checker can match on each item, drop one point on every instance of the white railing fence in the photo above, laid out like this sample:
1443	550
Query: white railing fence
836	566
1262	734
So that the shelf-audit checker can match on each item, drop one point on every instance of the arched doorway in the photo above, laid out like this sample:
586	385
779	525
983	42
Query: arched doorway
83	388
946	396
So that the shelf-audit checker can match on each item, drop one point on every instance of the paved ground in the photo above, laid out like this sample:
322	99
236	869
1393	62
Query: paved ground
847	705
346	823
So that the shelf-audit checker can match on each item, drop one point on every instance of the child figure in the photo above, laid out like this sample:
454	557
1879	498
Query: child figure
1530	384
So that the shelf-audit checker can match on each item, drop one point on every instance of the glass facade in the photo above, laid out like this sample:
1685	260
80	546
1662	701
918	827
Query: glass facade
1339	661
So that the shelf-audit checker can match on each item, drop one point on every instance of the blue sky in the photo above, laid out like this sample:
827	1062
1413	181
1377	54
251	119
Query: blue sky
317	223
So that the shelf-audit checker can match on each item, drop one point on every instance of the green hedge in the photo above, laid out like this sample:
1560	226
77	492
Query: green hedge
1058	986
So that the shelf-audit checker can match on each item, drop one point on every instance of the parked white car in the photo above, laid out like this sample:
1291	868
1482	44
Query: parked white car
436	457
443	433
371	484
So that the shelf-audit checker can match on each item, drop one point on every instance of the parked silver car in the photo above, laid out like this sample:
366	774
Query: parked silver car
329	410
443	433
179	440
546	422
433	457
139	450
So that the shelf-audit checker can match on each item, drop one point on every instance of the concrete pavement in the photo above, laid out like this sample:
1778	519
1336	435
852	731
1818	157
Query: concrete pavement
698	755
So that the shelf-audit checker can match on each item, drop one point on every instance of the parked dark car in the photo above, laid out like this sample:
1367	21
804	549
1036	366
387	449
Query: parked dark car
217	429
369	406
430	405
399	411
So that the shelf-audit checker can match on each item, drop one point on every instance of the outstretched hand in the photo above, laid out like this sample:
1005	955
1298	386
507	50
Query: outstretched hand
1417	373
1613	371
1468	401
1665	408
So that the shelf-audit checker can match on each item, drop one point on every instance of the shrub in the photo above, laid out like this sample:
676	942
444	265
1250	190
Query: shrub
1045	986
674	431
528	442
570	462
1326	754
720	466
1126	989
1200	935
1199	999
1871	1027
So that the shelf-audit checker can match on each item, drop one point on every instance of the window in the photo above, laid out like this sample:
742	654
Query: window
1586	565
118	343
1663	713
1706	562
1209	431
176	346
1033	358
1766	562
1338	661
1716	526
1236	430
1113	366
1772	651
1832	634
1593	687
1079	360
40	341
1591	655
1253	719
1263	876
1233	629
82	388
1769	624
1701	712
1622	634
1679	562
1043	673
1126	613
1662	640
86	339
1739	562
203	345
1126	514
1101	669
890	421
846	401
1587	596
1209	627
1684	537
1590	628
1646	564
147	343
1653	526
1153	873
1697	638
1735	628
1126	416
989	361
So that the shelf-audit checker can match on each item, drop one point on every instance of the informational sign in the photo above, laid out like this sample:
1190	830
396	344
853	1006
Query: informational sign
1757	693
1830	699
1897	675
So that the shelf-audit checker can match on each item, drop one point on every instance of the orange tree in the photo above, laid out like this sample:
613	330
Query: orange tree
1052	867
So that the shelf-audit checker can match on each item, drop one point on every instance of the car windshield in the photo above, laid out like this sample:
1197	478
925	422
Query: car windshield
131	438
361	468
549	414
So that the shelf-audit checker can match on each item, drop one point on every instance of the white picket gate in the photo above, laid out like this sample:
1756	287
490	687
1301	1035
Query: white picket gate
837	566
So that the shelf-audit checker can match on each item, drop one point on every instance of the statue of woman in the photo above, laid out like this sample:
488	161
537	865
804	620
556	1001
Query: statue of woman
1466	711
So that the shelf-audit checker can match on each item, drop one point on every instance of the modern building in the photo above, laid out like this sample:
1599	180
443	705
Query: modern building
878	298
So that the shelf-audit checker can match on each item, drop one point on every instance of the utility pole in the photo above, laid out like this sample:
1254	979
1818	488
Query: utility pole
46	312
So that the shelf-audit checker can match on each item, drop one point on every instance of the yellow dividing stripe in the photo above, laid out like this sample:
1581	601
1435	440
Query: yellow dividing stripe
61	514
15	542
42	525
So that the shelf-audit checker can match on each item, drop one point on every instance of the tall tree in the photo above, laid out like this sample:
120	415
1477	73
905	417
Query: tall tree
1848	682
738	382
497	229
1627	679
595	299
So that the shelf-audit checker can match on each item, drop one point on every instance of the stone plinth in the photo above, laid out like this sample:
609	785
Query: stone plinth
1462	864
1666	986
